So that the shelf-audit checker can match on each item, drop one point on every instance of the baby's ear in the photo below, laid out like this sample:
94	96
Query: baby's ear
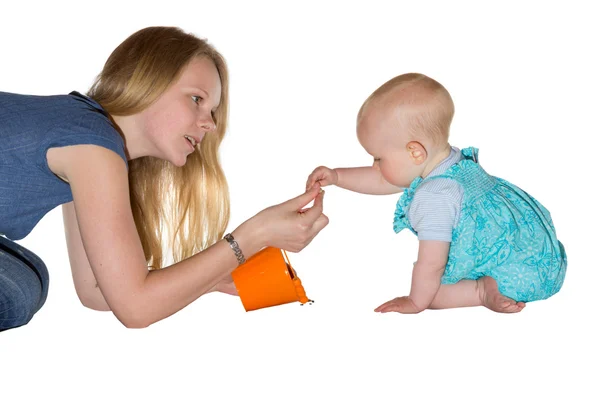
416	152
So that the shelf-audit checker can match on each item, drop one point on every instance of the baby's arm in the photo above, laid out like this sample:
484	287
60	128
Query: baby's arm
367	180
432	214
426	279
427	272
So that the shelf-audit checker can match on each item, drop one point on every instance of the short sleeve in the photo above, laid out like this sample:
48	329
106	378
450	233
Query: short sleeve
94	129
435	209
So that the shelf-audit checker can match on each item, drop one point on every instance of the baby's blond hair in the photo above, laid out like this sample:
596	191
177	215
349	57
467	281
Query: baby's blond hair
421	104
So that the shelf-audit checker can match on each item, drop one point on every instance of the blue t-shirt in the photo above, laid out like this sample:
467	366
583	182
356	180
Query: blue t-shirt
29	126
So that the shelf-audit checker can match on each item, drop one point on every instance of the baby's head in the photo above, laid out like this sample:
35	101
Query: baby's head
405	125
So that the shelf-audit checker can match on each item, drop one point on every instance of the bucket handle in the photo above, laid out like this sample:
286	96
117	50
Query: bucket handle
297	283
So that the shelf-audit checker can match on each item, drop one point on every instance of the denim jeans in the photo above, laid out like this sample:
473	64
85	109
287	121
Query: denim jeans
23	284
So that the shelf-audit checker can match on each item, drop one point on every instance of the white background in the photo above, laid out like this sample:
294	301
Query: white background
525	83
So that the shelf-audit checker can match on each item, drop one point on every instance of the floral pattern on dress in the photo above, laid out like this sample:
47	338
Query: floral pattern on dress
503	232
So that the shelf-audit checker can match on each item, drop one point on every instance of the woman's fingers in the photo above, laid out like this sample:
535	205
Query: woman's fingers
312	214
320	223
298	202
297	226
315	219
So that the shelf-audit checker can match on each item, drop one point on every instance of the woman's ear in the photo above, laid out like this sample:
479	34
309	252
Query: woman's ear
416	152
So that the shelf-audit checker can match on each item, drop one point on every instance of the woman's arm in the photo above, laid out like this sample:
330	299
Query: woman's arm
138	297
85	282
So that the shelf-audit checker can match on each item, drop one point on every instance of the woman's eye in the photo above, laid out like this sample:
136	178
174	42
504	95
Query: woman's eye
196	99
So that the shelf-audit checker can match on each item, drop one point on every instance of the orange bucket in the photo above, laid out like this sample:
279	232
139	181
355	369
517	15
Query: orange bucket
267	279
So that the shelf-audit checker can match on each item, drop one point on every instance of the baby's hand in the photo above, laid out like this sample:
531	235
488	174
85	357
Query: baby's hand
323	176
403	305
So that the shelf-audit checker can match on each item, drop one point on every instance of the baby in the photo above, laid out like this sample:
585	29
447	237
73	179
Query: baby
482	240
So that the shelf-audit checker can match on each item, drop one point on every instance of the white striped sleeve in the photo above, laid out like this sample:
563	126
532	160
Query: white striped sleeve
435	209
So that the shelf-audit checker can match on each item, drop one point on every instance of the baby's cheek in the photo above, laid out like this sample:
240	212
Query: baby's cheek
399	181
389	177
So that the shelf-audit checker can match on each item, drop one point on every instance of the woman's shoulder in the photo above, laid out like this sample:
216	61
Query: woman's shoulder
85	122
32	124
39	115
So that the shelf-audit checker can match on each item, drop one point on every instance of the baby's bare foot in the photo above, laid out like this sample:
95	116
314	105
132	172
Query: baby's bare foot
491	297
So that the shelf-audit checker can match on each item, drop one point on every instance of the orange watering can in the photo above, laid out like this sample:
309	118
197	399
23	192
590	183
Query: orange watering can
267	279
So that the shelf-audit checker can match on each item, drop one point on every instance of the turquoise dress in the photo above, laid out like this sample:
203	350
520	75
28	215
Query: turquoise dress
502	232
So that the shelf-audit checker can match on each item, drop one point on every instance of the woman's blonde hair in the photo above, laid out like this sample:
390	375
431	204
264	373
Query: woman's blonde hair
187	205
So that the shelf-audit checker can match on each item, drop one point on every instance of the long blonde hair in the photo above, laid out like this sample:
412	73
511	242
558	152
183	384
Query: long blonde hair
189	205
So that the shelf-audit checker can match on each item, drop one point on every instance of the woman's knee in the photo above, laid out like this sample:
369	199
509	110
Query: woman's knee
26	256
19	301
22	293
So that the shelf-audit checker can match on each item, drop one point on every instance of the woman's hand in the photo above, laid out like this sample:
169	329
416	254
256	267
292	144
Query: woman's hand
225	286
288	226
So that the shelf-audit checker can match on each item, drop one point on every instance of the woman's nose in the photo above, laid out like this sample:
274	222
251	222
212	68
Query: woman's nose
207	123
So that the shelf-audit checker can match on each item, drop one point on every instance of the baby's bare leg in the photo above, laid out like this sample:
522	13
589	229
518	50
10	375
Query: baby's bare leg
470	293
493	299
464	293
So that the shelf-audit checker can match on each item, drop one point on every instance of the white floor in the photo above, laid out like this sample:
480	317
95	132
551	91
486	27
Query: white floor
525	84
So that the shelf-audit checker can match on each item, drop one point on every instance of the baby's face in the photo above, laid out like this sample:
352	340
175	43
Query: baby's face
382	138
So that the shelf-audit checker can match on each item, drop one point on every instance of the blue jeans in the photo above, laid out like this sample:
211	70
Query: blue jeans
23	284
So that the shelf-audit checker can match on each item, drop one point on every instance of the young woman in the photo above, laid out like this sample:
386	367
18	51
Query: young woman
133	162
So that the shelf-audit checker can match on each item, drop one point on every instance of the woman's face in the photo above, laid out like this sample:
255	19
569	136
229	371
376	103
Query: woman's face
178	120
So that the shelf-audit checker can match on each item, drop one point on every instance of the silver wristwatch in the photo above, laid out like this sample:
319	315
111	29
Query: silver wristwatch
236	248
